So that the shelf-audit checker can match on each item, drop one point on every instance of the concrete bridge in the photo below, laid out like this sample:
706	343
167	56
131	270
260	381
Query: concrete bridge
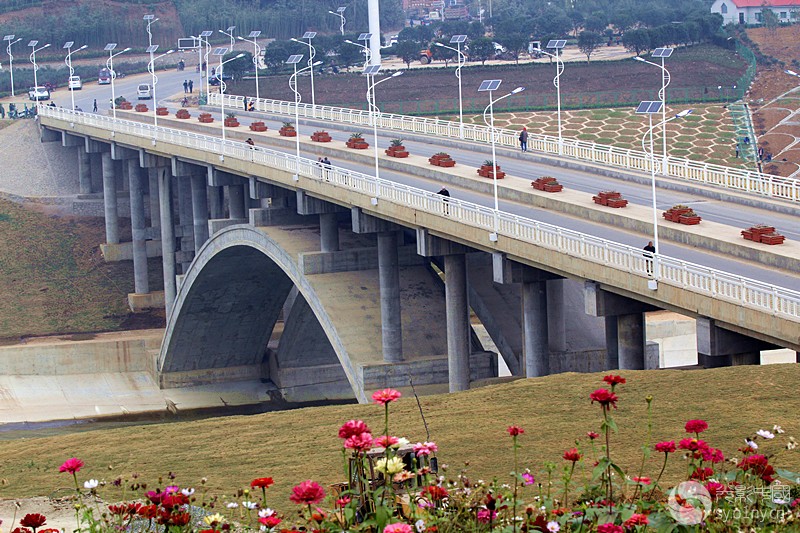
375	280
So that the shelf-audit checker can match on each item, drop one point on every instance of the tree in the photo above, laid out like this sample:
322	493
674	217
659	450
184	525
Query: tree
576	19
636	41
553	21
481	50
349	54
408	51
440	53
597	22
237	67
588	41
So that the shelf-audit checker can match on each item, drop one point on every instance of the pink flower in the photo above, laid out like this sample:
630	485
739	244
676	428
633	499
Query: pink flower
696	426
398	527
72	465
644	480
702	474
636	519
693	445
359	443
270	521
614	380
385	396
604	398
385	441
353	427
425	448
307	493
592	435
485	516
668	446
515	431
715	490
713	455
528	478
572	455
609	528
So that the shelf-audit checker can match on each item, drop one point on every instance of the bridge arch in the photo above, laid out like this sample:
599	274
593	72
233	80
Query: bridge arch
226	308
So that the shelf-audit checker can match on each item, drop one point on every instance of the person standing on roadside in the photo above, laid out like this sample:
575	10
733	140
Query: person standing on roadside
185	86
523	139
191	86
649	252
446	198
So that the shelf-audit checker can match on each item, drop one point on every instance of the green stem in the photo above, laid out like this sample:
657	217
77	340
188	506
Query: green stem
609	488
663	467
516	484
566	485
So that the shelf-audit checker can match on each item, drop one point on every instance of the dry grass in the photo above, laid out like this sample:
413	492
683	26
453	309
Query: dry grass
469	427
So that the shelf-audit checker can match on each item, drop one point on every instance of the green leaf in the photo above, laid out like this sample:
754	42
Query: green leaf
788	475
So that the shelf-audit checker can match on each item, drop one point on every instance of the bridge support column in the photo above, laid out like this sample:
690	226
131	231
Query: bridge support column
717	346
216	202
84	171
152	178
236	202
389	277
199	210
110	200
556	321
136	189
626	339
167	237
186	222
329	232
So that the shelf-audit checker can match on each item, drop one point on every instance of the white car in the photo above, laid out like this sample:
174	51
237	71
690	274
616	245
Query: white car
144	92
38	93
75	83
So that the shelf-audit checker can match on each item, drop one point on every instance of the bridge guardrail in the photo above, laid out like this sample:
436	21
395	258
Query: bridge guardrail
722	285
748	181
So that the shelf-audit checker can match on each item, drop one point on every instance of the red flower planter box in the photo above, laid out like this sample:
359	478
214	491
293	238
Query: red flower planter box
321	137
287	132
205	118
357	143
610	199
182	113
126	106
683	215
396	151
258	126
547	184
141	108
441	160
162	111
763	234
231	123
486	172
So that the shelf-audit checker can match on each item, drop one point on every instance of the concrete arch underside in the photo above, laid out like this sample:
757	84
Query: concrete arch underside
231	298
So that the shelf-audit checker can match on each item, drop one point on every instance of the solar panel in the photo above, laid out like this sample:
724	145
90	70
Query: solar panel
33	43
489	85
648	107
371	70
68	44
662	52
152	48
557	43
9	37
364	36
309	35
108	48
254	34
206	33
219	51
341	9
294	59
230	29
456	39
149	17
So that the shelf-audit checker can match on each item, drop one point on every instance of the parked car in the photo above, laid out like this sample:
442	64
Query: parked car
75	83
144	92
38	93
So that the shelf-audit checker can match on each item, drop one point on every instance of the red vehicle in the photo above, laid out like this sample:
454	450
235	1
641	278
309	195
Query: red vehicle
104	76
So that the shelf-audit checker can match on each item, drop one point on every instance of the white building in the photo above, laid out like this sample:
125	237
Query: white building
749	11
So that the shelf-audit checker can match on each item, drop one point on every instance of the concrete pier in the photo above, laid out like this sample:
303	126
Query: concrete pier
167	237
631	341
458	347
389	277
199	210
110	199
136	190
84	171
236	200
329	232
535	335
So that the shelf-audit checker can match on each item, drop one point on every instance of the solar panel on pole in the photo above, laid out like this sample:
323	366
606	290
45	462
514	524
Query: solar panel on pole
34	43
649	107
294	59
662	52
309	35
556	43
371	70
206	33
489	85
365	37
152	48
254	34
108	48
221	51
456	39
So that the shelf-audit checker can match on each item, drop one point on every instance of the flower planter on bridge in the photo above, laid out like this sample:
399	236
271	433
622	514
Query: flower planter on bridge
287	131
682	214
486	171
763	234
610	199
125	105
205	118
162	111
357	142
182	113
396	150
141	108
258	126
231	123
547	184
441	160
321	137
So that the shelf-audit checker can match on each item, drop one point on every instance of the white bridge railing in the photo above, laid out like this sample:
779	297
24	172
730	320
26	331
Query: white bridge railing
737	179
716	284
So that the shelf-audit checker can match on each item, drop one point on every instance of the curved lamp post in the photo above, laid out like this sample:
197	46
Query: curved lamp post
340	13
367	52
220	52
68	62
457	40
203	38
229	33
490	86
557	44
110	65
312	52
650	108
662	94
256	52
370	73
33	44
10	40
151	68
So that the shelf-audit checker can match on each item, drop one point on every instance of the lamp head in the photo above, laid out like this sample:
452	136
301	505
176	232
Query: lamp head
45	46
637	58
296	40
83	47
684	113
518	90
398	73
316	63
127	50
792	73
438	44
239	56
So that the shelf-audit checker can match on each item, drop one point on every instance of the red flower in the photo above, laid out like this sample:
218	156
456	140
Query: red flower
668	446
270	521
515	431
21	530
72	465
592	435
485	516
262	483
604	398
353	427
33	520
702	474
435	493
359	443
759	465
170	501
125	509
572	455
712	455
636	519
343	501
644	480
398	527
609	528
318	515
715	490
614	380
307	492
148	511
385	396
693	445
696	426
385	441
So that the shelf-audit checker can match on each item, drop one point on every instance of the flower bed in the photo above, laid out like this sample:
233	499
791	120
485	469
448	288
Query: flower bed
682	214
356	142
610	199
488	170
321	137
183	114
763	234
396	151
547	184
125	105
287	131
205	118
141	108
231	122
441	160
258	126
162	111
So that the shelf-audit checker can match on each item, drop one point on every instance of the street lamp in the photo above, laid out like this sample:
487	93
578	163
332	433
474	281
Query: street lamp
662	94
220	52
457	40
151	68
490	86
312	52
370	71
203	38
33	44
110	65
256	52
293	60
557	44
229	33
340	13
650	108
150	49
68	61
367	51
10	40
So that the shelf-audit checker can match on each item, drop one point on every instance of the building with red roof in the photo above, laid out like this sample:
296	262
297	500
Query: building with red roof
751	11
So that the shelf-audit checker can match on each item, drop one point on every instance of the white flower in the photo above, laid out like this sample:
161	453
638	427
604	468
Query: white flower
420	525
763	433
187	492
750	443
249	505
232	505
780	501
264	513
401	441
262	528
553	526
91	484
778	429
